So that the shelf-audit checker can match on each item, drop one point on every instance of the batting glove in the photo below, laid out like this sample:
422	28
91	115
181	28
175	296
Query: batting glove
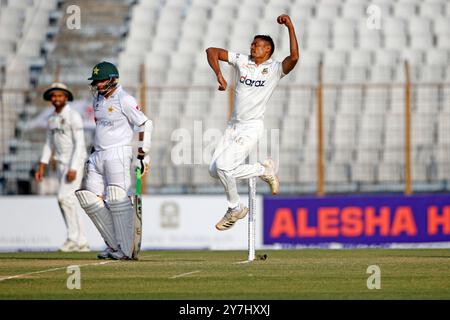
143	163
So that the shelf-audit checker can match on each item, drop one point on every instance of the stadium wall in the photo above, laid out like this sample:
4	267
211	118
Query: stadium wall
187	222
169	222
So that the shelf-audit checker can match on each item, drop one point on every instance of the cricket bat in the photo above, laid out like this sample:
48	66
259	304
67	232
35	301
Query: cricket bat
137	217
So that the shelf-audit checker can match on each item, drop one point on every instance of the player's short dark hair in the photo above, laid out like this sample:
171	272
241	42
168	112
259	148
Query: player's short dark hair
267	39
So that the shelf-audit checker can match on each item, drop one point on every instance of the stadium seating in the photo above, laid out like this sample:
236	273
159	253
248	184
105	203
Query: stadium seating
364	117
363	75
24	26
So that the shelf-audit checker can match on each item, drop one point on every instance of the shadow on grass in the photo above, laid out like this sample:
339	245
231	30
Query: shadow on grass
49	258
172	260
90	258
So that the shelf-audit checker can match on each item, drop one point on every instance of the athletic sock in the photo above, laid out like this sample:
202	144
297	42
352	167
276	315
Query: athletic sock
237	208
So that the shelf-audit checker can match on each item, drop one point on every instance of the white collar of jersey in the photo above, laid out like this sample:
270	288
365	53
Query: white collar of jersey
269	61
65	110
118	90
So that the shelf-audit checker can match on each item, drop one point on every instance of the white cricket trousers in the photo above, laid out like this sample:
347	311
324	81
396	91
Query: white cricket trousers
68	204
228	161
109	167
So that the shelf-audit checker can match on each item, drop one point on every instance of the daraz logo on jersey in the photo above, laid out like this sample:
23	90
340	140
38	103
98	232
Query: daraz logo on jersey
250	82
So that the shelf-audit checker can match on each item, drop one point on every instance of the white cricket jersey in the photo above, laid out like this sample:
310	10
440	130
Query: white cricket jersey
254	85
65	139
115	118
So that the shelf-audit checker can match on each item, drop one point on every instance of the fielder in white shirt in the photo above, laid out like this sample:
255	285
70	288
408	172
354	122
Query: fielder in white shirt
65	140
106	191
257	75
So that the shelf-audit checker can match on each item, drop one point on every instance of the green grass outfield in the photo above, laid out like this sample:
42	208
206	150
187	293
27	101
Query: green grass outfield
286	274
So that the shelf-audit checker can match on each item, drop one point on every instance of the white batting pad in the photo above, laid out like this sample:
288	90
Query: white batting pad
122	214
100	216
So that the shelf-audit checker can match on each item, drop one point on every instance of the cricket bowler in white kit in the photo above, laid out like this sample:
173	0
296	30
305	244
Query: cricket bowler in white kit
257	75
106	191
65	140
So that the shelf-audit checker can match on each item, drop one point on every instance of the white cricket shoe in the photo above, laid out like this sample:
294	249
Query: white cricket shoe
84	248
69	246
270	176
231	217
105	253
118	255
